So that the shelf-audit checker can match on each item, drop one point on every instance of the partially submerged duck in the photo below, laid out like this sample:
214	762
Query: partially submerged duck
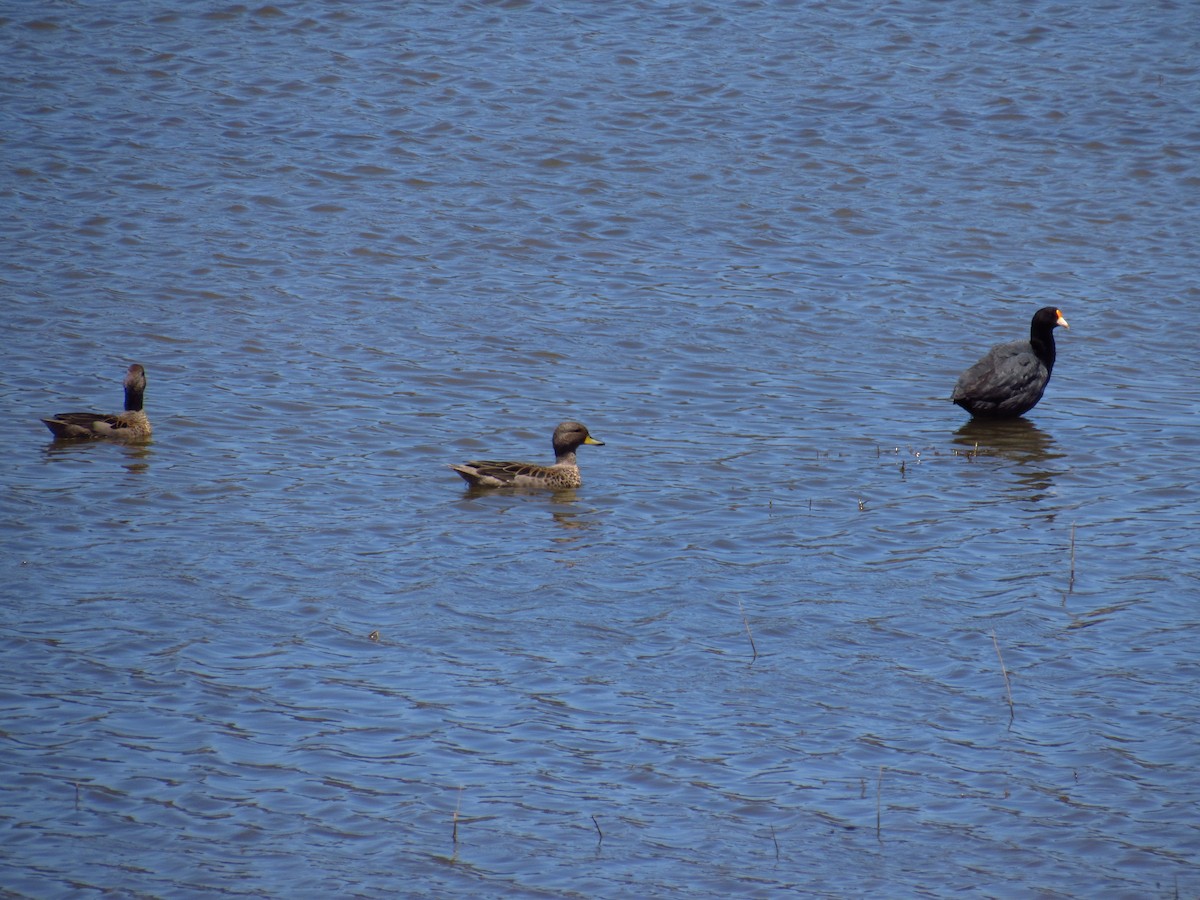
131	425
563	475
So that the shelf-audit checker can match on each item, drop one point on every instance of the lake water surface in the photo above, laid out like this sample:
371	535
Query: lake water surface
803	629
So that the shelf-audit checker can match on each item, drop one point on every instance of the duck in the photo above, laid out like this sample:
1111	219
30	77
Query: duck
1009	380
131	425
563	475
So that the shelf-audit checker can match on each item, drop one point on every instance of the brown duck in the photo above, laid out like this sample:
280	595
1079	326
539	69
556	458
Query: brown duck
131	425
563	475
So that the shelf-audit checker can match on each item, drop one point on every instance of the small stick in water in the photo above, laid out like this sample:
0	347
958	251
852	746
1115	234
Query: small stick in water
879	806
746	622
457	807
1007	684
1071	583
598	831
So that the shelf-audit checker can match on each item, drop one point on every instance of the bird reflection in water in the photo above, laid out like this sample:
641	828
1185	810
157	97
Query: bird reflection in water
572	520
137	456
1017	440
566	509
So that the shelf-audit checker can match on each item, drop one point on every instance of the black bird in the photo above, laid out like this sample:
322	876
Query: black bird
1009	381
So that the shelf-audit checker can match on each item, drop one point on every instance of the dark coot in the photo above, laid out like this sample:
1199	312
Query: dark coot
1009	381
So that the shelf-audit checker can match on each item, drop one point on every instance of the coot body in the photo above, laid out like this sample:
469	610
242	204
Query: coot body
1010	380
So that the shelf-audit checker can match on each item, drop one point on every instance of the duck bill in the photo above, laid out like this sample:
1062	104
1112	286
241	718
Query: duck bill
1061	321
591	440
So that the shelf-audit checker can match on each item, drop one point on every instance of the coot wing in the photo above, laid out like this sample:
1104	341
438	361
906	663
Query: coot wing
1009	378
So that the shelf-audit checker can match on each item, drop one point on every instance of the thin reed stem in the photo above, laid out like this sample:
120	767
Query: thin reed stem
1007	683
746	622
879	806
457	807
1071	582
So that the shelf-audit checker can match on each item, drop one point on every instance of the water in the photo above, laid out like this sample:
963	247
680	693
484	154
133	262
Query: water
282	651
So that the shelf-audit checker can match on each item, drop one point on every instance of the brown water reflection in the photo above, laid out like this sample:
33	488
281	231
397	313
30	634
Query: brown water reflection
1019	441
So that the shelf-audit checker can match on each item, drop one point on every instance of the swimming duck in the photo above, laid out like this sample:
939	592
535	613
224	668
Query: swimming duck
563	475
131	425
1010	379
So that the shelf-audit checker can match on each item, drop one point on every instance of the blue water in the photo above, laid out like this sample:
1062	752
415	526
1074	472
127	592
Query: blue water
802	629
